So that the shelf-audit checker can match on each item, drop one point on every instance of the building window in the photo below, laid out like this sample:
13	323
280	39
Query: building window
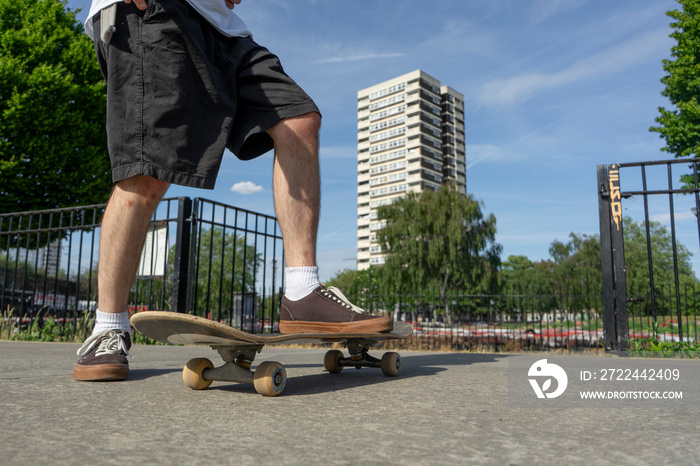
386	113
387	91
388	179
386	102
388	190
388	168
388	156
387	145
387	134
387	123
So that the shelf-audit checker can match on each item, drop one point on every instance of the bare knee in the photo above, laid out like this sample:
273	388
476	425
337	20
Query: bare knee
301	129
142	192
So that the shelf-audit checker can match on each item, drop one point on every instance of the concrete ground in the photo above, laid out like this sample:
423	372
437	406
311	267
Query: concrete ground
445	408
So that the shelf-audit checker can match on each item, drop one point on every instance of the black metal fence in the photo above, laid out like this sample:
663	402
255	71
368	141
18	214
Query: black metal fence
200	256
649	211
227	264
515	320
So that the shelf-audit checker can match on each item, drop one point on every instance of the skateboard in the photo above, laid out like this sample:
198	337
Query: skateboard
238	349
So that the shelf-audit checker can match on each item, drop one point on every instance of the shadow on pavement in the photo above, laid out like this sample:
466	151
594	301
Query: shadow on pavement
143	374
421	365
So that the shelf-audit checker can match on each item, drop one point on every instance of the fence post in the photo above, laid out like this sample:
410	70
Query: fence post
608	290
620	270
614	291
182	254
194	254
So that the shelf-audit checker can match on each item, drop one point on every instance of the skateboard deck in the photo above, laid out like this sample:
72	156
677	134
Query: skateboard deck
238	349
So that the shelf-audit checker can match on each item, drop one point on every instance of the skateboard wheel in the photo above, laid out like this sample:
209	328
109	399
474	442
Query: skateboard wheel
391	364
193	373
331	361
270	378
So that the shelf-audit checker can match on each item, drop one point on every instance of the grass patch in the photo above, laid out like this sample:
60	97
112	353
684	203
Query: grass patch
652	347
46	328
38	328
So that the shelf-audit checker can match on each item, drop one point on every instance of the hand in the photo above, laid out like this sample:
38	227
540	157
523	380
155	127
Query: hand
140	4
231	3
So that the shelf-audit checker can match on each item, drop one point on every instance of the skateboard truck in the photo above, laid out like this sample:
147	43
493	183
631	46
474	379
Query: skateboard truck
334	361
269	379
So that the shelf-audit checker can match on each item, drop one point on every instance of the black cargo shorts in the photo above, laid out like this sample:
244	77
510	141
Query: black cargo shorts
179	92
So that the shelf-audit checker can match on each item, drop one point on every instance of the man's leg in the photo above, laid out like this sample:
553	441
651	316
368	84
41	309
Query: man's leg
297	186
307	306
123	232
124	227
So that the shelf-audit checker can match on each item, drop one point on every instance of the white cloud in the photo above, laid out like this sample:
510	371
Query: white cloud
246	187
518	89
546	9
665	218
358	57
477	153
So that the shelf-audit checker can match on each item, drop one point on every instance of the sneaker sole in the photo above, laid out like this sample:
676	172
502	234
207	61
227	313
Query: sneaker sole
379	325
100	372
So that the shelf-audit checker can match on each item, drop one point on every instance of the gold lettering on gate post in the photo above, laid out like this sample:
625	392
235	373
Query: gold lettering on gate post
615	197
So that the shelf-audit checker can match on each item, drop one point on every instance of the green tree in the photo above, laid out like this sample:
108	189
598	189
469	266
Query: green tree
438	239
363	288
637	264
573	277
343	280
681	126
520	275
226	267
53	146
577	275
577	262
528	286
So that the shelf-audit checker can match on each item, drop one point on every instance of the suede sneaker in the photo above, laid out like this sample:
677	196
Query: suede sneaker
103	357
328	311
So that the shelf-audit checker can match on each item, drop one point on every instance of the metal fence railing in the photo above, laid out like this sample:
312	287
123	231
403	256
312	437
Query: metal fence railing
514	320
236	266
227	264
200	257
48	263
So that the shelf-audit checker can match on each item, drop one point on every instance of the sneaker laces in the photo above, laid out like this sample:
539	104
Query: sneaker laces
112	343
339	294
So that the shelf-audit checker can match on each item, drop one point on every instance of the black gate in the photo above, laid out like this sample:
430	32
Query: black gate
659	201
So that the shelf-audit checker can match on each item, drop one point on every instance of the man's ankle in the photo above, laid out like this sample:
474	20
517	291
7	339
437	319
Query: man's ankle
111	321
300	282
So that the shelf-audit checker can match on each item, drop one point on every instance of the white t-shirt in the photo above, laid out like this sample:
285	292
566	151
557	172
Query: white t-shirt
214	11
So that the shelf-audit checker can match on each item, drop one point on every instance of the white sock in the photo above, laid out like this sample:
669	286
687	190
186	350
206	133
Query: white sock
108	321
300	282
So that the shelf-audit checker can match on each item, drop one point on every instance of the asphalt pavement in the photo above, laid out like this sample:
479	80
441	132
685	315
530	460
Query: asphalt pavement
444	408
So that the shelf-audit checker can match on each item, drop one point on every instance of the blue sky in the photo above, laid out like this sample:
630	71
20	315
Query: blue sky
552	88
